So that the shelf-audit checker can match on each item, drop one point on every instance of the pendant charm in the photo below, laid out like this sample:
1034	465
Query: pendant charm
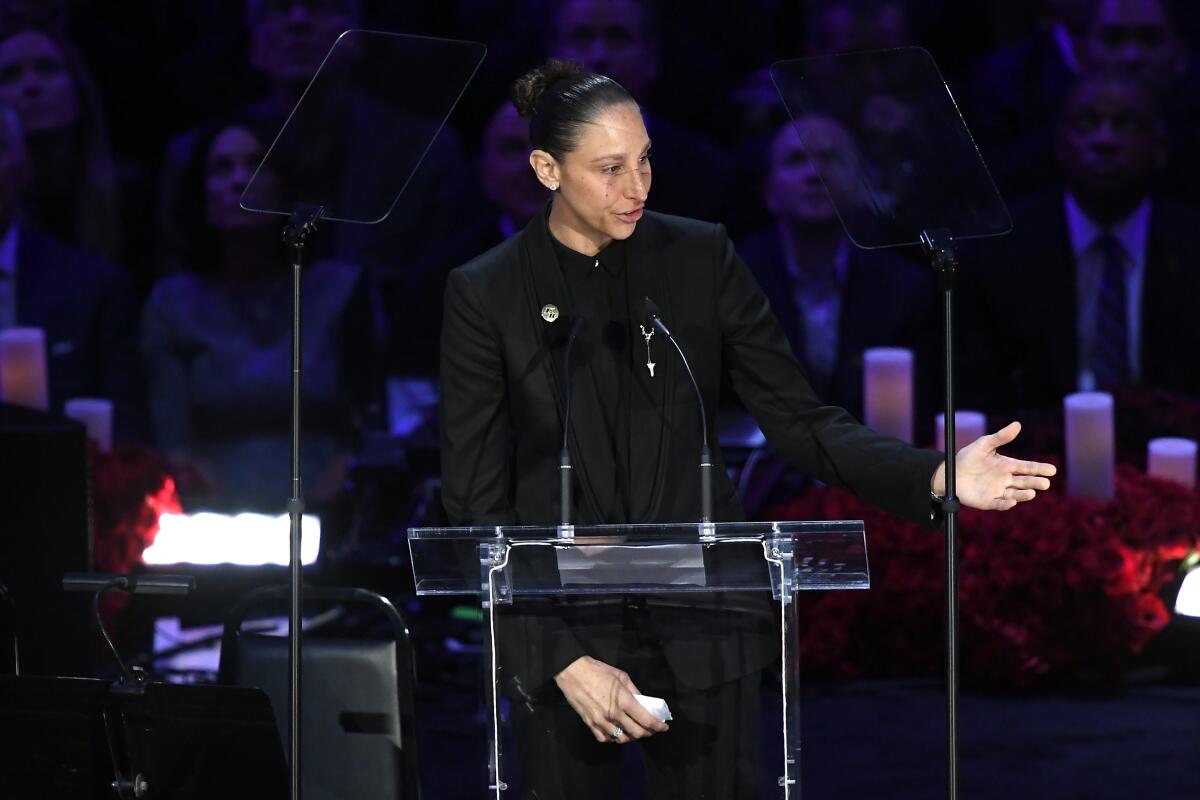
648	335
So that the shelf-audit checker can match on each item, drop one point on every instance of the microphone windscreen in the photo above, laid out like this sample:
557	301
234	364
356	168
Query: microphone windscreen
650	309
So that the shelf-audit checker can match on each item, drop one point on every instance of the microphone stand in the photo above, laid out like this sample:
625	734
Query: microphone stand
300	225
938	245
706	461
566	529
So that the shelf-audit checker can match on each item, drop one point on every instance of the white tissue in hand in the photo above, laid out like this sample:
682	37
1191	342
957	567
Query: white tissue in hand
656	706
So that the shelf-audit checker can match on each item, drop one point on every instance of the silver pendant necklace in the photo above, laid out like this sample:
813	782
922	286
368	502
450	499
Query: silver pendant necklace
648	335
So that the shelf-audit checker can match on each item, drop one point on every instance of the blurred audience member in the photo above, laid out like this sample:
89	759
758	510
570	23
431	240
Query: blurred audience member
833	299
1018	92
842	26
83	304
511	186
72	192
1138	36
619	38
1014	92
216	340
1096	288
357	142
1143	37
829	28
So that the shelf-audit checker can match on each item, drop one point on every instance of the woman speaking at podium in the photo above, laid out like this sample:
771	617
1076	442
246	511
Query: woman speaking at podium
572	668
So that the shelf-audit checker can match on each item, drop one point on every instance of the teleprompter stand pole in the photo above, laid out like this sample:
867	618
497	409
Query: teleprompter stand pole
939	248
295	234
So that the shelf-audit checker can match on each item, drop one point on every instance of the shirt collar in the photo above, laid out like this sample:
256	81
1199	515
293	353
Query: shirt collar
8	250
609	258
841	259
1131	231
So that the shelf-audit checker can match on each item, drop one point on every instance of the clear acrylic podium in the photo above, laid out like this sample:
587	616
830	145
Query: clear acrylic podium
501	565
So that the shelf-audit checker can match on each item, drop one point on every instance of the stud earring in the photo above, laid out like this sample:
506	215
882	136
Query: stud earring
554	187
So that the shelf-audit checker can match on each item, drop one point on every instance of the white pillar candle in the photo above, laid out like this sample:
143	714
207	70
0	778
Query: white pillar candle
888	391
23	368
97	414
1173	460
1090	448
968	426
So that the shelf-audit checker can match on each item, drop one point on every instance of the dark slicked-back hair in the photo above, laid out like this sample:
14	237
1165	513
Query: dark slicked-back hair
559	98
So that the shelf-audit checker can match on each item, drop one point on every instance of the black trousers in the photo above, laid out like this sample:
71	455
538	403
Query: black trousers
710	750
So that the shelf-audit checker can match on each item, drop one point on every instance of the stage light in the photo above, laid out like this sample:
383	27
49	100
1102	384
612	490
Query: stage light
1187	602
242	539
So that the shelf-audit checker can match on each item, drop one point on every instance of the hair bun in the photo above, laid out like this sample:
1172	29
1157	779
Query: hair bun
529	88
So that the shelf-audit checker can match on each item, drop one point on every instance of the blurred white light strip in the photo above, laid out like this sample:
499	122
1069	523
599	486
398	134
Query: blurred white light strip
1187	602
243	539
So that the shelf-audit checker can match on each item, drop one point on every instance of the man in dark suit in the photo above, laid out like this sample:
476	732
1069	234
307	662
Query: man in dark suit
84	305
1143	38
1111	289
1013	91
833	299
635	436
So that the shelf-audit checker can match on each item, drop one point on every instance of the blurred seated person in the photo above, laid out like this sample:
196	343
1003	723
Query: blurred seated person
1105	268
511	187
1014	93
619	38
1014	118
844	26
833	299
84	305
358	141
216	340
829	27
71	193
1142	37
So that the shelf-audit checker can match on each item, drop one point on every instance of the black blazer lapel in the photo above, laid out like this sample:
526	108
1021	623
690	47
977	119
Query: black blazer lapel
652	398
591	455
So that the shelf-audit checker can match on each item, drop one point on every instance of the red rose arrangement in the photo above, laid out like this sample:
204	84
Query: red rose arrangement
131	488
1060	588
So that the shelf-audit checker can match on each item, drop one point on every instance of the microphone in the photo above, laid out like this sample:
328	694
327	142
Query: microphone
651	313
566	486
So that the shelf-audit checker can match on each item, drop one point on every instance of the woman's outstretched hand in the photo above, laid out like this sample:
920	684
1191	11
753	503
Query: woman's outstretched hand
992	482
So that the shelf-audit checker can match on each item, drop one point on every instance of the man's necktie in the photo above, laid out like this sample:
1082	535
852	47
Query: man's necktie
1110	340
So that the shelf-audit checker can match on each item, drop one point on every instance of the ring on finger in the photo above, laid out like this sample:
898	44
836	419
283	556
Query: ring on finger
617	733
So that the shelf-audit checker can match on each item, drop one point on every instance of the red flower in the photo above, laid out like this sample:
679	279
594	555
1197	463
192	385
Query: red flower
1052	589
130	490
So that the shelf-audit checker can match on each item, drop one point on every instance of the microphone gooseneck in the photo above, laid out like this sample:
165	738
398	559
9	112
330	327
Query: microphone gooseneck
651	313
564	457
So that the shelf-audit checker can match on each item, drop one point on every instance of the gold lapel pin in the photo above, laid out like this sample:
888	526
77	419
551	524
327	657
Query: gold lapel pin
549	312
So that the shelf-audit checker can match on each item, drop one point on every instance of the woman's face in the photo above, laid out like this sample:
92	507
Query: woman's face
228	167
35	81
603	183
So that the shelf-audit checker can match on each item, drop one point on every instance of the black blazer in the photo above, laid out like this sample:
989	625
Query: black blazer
887	301
502	411
1019	306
